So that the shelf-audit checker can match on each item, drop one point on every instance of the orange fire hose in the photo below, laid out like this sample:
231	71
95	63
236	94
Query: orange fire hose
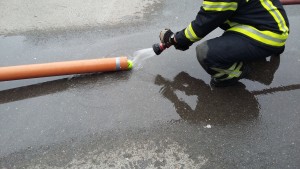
290	2
64	68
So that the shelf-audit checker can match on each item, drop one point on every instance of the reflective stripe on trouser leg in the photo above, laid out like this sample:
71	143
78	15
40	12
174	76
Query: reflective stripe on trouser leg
225	74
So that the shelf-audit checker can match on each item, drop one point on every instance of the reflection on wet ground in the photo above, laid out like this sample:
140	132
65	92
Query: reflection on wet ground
216	106
51	87
264	70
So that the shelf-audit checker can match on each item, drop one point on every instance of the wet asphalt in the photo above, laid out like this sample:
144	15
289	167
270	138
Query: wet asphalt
163	115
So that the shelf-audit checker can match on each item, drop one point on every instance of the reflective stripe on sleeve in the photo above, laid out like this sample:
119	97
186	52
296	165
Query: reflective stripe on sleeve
190	34
219	6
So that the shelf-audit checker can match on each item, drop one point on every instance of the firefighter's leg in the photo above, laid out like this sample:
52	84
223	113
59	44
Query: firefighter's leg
225	58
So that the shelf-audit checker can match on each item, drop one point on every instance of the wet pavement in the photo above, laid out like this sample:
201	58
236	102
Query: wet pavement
163	115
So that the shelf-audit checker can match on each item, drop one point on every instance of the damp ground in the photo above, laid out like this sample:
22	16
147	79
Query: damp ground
161	114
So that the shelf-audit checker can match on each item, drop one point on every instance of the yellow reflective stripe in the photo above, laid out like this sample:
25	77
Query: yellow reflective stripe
219	6
231	24
233	71
219	75
190	34
266	37
236	72
268	5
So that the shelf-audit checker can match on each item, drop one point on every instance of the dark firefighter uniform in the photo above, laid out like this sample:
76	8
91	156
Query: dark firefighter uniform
254	29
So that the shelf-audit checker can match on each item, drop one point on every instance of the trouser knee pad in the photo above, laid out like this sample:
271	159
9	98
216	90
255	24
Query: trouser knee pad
201	52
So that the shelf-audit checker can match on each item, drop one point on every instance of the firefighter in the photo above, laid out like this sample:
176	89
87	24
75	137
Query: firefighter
253	30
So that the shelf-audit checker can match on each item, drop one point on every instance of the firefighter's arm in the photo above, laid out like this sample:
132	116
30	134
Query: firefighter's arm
212	14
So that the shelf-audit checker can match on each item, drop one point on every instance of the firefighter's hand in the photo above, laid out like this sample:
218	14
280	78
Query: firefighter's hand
166	36
181	47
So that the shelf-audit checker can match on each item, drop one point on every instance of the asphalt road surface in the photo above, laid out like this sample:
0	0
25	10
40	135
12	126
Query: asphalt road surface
161	115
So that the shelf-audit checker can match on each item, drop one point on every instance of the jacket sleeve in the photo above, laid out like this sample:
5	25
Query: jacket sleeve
212	14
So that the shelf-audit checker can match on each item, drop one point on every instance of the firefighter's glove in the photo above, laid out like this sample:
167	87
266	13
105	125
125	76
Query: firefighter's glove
166	36
181	47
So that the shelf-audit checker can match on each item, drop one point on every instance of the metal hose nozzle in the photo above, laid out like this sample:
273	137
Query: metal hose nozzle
158	48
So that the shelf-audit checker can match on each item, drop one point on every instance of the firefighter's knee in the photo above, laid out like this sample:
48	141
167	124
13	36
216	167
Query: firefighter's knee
201	52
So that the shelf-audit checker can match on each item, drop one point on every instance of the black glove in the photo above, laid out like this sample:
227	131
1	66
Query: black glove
181	47
166	36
